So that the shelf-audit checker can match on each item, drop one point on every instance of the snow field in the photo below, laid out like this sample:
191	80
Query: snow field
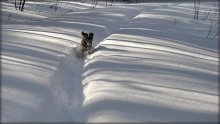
144	69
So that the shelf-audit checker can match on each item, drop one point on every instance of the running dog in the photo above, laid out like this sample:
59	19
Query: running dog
86	42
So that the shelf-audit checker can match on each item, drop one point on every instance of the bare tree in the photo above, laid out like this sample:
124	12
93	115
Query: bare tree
15	4
111	2
94	3
20	4
9	17
174	23
22	7
206	15
210	28
197	8
211	25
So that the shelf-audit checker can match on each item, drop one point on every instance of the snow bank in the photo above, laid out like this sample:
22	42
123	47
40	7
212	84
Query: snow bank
151	71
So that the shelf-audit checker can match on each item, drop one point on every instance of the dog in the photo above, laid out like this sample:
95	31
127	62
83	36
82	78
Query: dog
86	42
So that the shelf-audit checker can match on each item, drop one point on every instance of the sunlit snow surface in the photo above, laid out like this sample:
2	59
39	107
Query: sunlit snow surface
152	62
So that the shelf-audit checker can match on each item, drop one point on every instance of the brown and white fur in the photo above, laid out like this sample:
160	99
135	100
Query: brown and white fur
86	42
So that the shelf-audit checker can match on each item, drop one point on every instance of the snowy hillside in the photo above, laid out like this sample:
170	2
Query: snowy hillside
152	62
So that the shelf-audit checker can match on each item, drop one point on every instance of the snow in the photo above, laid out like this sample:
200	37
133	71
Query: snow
144	67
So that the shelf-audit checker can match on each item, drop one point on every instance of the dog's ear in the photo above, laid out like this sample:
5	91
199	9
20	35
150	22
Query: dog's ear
91	34
84	34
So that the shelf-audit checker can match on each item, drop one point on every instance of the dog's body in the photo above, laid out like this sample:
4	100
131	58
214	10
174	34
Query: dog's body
86	43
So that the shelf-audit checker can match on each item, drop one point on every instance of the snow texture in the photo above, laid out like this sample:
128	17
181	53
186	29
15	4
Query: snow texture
152	62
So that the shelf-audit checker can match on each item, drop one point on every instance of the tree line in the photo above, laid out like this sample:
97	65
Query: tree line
19	4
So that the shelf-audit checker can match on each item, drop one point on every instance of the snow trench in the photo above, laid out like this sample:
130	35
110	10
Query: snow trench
66	83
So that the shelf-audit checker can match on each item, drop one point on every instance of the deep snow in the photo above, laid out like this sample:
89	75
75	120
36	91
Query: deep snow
143	69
